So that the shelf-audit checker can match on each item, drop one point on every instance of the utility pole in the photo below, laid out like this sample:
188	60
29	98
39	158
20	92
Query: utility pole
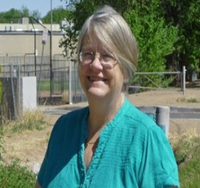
51	71
35	49
50	55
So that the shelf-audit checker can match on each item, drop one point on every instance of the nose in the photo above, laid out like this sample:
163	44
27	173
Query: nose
96	64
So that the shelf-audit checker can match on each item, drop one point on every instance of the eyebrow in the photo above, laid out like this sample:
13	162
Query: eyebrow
88	48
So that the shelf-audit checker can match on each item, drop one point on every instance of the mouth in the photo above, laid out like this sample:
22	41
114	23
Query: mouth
96	79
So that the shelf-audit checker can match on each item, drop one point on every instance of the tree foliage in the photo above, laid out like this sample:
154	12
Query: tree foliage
155	41
167	31
58	14
69	41
185	16
13	15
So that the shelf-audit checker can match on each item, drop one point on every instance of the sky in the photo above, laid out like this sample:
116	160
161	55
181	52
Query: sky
43	6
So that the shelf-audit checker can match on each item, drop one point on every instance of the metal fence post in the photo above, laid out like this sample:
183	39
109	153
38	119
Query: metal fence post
163	117
70	82
19	98
13	74
183	79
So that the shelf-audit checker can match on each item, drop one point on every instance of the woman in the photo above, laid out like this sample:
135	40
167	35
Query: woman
110	143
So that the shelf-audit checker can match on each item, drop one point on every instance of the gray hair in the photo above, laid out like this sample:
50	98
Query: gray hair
114	34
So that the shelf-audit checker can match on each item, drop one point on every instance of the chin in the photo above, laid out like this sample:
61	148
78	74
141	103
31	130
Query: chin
96	93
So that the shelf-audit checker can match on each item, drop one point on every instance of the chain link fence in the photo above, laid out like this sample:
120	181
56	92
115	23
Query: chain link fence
62	88
13	68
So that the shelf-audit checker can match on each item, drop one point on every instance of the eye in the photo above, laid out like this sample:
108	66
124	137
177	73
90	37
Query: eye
107	57
87	55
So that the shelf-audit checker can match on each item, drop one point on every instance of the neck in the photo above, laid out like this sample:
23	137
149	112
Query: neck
101	112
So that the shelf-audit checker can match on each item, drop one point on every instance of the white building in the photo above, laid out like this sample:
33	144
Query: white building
26	38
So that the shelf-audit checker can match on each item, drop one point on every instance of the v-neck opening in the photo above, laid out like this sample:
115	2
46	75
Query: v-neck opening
104	136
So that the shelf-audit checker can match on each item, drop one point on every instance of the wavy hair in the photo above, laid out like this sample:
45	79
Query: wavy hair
113	32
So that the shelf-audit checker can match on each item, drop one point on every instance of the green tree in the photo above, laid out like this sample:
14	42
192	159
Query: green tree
58	14
25	11
182	14
69	41
70	3
155	41
35	14
155	37
185	16
13	15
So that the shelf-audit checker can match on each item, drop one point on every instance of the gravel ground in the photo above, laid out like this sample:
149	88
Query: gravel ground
30	146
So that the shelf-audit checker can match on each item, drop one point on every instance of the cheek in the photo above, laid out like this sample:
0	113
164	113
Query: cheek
82	75
119	76
119	79
82	70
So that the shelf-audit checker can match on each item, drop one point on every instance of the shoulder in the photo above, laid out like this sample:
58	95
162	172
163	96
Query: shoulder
70	121
73	116
137	118
141	125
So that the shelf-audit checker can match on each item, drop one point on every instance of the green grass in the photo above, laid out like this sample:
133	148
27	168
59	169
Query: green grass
29	121
16	176
188	100
187	152
186	148
192	100
44	85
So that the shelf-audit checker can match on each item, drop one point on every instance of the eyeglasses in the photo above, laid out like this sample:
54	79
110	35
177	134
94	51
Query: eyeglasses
107	60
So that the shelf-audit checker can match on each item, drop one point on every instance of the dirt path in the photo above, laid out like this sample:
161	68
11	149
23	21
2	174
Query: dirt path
30	146
190	99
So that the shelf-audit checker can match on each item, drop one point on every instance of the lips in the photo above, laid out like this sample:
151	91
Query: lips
96	79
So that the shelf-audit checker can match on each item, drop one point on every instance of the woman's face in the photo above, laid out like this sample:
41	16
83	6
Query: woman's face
97	80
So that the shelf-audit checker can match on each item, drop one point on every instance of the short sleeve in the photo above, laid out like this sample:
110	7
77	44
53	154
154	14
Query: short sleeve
64	143
158	166
43	173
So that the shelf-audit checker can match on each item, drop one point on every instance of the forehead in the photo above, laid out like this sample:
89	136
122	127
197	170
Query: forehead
91	41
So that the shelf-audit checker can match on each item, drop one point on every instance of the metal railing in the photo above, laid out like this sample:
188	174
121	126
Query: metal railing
65	82
180	75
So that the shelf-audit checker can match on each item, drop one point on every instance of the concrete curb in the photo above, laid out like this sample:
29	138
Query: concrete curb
175	112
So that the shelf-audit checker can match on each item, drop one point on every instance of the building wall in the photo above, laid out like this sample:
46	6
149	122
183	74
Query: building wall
19	44
22	39
28	27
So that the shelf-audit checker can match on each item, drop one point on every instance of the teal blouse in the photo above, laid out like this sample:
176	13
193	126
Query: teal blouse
133	152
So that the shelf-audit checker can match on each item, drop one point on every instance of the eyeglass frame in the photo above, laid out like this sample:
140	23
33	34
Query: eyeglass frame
107	65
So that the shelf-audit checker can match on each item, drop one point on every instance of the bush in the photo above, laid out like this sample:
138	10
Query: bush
156	41
29	121
187	152
16	176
